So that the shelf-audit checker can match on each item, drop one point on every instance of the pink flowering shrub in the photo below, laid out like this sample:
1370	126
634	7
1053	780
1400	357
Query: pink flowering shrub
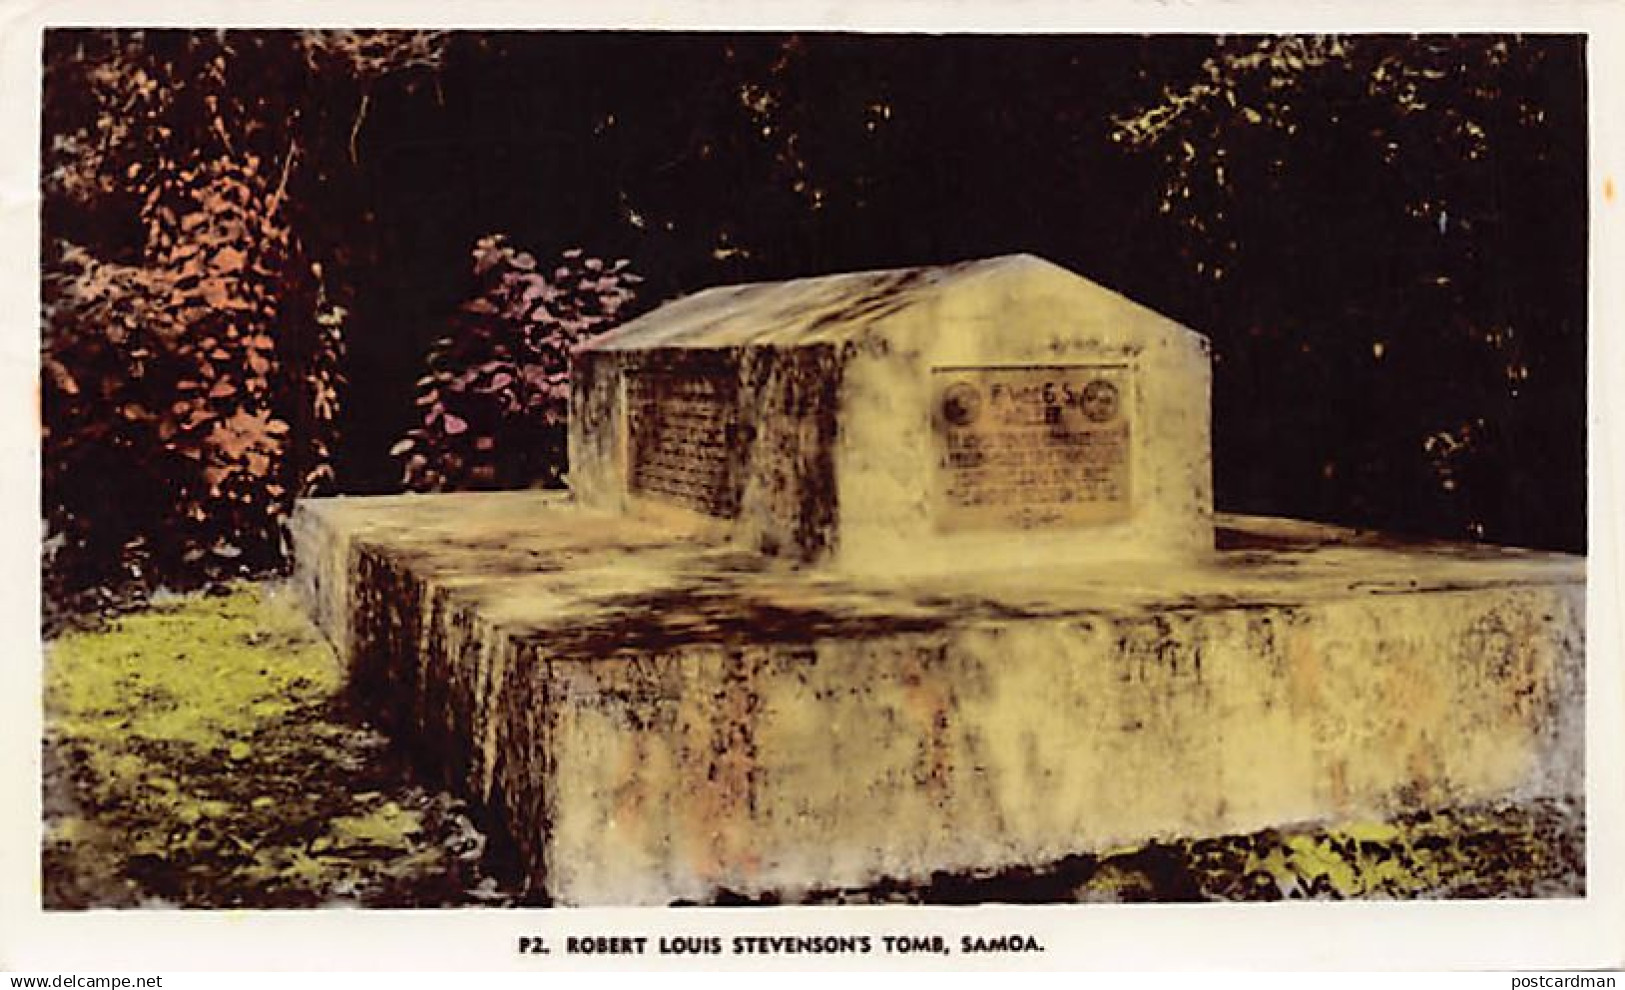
495	400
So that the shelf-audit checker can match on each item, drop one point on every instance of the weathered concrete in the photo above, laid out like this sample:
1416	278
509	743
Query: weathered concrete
856	420
657	716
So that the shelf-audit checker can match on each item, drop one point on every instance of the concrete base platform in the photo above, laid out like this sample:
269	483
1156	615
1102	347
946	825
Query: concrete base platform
657	719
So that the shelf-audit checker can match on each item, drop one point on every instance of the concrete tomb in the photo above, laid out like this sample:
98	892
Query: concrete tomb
872	576
907	420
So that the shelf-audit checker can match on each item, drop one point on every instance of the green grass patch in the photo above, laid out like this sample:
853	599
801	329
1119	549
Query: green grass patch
202	753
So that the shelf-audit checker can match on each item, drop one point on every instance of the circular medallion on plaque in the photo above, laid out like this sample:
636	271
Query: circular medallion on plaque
1099	400
961	404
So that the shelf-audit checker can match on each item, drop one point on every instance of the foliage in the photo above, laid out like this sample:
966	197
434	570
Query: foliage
199	754
1386	238
495	401
1261	109
373	55
192	352
122	103
179	380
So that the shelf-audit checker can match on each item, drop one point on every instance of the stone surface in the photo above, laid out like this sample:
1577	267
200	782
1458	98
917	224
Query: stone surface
998	413
659	716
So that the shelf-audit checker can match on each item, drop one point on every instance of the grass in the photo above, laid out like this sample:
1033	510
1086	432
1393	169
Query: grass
203	753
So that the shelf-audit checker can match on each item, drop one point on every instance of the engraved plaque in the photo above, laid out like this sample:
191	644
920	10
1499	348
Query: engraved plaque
1032	447
680	433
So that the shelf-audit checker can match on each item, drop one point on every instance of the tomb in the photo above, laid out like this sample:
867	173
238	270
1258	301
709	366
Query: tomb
872	576
995	413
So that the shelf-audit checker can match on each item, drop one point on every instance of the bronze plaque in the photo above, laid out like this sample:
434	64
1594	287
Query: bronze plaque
1032	447
680	434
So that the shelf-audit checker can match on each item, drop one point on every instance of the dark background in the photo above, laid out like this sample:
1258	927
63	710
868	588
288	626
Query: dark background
1390	260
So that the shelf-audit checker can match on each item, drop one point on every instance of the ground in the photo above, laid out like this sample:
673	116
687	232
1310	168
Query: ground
205	751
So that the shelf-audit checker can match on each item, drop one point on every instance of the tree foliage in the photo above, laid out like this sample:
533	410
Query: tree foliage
1387	237
176	382
192	356
497	396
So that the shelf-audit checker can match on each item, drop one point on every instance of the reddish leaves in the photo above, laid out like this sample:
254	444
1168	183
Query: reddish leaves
498	389
167	379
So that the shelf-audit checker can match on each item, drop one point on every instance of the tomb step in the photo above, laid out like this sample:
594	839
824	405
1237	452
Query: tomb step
656	714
